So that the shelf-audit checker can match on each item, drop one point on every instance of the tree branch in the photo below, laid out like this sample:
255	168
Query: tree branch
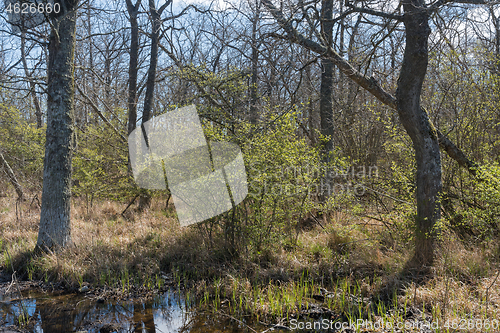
11	176
440	3
368	83
374	12
99	113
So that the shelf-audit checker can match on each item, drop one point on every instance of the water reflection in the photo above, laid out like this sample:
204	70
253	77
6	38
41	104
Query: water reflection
72	313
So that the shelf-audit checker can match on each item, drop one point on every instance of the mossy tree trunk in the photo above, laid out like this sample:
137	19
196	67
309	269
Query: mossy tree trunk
55	227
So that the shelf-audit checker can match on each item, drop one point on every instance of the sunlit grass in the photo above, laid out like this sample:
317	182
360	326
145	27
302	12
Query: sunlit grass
343	268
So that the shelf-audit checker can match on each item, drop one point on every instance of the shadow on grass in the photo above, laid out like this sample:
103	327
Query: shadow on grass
413	273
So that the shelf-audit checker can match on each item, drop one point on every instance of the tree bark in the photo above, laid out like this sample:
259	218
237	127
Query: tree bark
418	126
55	226
326	89
255	62
133	11
153	61
145	198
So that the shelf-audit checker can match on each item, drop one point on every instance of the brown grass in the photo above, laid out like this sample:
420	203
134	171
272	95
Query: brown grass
146	248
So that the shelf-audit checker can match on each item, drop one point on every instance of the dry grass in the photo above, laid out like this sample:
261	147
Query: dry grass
348	255
105	244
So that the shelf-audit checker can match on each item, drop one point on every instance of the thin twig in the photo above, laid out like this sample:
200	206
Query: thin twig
130	204
317	221
488	290
237	320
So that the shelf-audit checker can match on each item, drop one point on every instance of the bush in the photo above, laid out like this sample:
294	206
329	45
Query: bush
23	146
100	164
481	205
283	173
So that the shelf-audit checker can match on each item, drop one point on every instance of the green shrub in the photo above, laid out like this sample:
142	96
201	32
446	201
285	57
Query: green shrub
481	204
100	163
23	145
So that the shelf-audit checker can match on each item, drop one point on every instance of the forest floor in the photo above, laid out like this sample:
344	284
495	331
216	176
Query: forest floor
343	267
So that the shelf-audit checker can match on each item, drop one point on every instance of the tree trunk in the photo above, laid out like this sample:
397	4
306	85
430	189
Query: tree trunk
326	89
132	71
426	139
255	62
153	62
145	198
368	83
55	227
423	135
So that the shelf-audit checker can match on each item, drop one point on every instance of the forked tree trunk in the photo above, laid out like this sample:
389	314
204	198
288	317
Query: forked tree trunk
416	123
147	113
55	227
153	61
145	197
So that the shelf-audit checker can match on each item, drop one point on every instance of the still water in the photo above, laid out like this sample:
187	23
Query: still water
53	313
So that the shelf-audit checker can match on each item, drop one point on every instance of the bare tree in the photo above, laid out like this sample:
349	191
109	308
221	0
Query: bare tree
156	22
255	64
418	126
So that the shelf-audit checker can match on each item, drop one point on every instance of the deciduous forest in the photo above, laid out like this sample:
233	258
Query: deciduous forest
370	136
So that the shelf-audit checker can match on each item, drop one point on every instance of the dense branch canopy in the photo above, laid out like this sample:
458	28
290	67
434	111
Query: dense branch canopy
368	83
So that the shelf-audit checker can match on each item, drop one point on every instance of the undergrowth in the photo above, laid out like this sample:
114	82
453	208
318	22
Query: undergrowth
349	267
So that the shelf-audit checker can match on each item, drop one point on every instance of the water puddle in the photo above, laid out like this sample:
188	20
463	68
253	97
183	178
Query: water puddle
53	313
